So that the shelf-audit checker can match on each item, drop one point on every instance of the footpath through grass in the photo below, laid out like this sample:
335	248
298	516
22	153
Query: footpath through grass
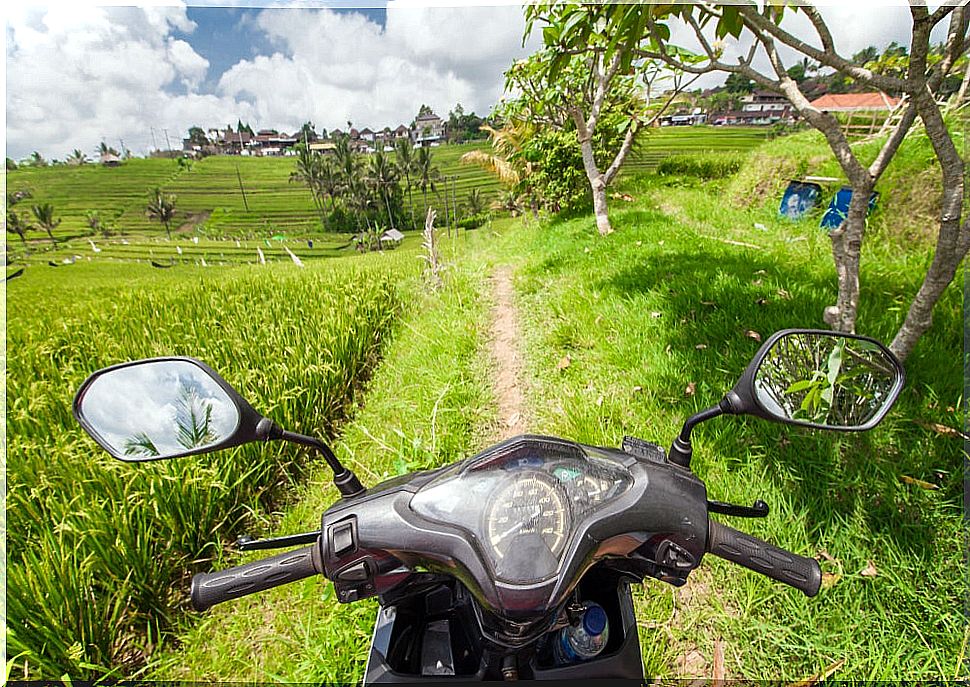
631	333
428	404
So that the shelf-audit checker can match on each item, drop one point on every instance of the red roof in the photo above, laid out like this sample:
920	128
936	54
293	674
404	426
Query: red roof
855	101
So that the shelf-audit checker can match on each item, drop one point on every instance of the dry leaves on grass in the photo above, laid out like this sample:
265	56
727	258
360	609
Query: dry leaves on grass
906	479
942	430
691	388
564	362
700	347
752	334
869	570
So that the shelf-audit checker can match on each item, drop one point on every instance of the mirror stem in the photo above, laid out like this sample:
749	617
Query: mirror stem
681	450
346	481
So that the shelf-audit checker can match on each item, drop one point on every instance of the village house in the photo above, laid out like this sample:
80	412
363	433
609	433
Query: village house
268	142
429	129
856	102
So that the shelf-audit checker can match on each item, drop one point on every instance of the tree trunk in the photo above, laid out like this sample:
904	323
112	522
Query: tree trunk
51	234
846	251
387	203
407	178
599	206
953	240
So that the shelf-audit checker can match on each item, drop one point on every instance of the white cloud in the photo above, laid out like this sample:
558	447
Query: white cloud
77	74
334	67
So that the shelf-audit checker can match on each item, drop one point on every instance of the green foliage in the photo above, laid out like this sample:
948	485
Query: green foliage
705	166
473	221
98	550
557	174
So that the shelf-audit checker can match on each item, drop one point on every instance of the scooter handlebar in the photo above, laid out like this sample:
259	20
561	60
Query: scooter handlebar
209	589
753	553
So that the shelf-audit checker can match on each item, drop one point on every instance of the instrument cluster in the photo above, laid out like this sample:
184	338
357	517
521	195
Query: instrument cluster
522	504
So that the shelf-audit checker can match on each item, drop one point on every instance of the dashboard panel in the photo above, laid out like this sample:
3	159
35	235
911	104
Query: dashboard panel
522	503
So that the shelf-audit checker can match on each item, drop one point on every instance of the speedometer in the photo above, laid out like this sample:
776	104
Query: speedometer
528	513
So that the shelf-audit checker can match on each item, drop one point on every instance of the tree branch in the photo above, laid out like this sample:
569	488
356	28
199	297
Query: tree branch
889	148
824	57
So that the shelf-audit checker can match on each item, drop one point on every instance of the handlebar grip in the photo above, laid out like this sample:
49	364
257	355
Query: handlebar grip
209	589
753	553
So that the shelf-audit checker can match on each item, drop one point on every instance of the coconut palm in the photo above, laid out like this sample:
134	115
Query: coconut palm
37	160
426	174
476	202
308	172
507	162
382	174
404	152
44	214
18	224
329	180
77	158
509	201
162	209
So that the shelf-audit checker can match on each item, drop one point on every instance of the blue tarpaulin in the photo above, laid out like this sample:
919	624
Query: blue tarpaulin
839	208
799	198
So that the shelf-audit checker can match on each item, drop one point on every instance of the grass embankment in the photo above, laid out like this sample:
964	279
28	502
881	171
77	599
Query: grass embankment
428	404
656	322
99	551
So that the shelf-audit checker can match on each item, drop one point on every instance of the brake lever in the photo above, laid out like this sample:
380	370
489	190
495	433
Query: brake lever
758	510
247	543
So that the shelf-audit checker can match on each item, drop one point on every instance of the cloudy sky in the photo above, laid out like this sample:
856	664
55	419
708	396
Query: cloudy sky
79	73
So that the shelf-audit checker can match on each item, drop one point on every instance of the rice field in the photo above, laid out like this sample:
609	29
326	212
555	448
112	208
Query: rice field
99	551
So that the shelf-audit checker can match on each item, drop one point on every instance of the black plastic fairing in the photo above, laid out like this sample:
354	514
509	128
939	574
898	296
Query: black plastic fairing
662	503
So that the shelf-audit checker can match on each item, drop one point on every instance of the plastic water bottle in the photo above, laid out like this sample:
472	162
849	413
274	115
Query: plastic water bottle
584	639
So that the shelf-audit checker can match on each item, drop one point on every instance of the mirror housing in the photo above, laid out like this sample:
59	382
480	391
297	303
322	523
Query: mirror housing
161	408
818	378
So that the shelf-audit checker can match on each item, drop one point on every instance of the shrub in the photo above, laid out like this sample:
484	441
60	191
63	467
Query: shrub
705	166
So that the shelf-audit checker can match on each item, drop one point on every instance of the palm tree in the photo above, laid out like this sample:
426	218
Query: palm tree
507	162
329	180
44	214
405	162
383	175
162	209
77	158
426	174
19	225
105	149
37	160
476	202
308	172
509	201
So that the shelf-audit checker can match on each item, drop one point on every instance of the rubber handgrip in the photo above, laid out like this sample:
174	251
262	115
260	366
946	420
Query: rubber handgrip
209	589
753	553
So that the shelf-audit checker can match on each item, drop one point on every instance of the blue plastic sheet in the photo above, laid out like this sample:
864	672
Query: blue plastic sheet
839	208
800	197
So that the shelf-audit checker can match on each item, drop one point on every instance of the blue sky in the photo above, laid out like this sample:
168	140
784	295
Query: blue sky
79	73
226	35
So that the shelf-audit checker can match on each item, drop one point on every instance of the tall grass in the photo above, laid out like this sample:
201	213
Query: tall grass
99	552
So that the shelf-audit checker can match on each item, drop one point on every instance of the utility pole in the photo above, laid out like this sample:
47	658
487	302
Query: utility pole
122	142
154	145
167	142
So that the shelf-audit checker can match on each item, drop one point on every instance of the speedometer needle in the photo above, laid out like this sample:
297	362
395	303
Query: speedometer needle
518	526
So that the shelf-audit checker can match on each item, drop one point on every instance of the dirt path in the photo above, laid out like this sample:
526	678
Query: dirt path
506	358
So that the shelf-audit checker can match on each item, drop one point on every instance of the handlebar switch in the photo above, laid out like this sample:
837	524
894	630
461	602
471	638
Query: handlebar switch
343	537
358	572
674	557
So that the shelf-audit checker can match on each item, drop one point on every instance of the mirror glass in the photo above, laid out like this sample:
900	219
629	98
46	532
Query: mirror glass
826	380
157	409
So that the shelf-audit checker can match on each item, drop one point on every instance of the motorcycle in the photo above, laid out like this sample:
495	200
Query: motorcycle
515	563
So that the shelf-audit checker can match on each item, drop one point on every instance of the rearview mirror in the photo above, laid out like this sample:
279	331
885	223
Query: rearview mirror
163	408
821	379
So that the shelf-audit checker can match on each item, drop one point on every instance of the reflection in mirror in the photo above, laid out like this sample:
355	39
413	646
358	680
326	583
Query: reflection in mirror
825	379
158	409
